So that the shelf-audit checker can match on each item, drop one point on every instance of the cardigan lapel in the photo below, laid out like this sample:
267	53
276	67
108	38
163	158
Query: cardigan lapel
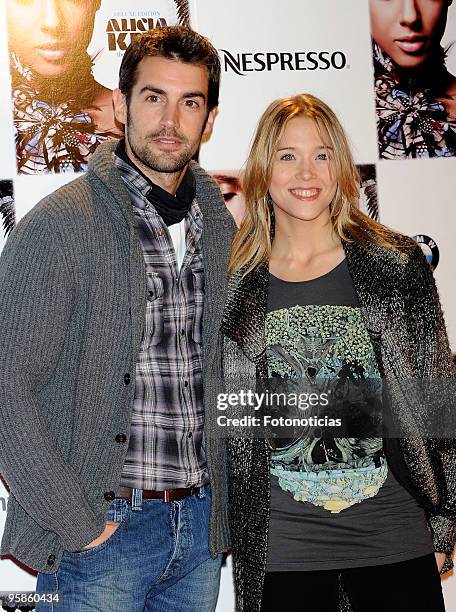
102	175
244	316
371	282
218	231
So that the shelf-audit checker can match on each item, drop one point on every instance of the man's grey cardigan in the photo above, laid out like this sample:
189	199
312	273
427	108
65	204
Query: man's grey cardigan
72	308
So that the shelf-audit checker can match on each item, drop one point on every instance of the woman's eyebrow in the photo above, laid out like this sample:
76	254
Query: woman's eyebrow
317	148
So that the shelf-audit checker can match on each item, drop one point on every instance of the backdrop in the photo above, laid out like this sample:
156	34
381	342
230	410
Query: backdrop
403	141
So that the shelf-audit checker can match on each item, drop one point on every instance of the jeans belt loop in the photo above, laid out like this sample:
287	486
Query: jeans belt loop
136	499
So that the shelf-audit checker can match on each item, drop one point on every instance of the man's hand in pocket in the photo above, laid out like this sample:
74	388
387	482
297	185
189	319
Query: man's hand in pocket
109	529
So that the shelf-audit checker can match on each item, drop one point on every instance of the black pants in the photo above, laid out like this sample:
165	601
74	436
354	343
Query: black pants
409	586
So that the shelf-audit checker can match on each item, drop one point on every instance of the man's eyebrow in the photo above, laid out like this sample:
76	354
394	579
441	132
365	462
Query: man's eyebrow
157	90
194	94
151	88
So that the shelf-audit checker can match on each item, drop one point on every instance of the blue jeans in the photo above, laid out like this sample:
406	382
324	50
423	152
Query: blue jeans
157	560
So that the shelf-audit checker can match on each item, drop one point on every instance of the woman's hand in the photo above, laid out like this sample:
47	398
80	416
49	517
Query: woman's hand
440	560
109	529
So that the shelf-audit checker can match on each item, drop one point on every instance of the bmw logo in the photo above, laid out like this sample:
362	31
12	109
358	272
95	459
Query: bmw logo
429	248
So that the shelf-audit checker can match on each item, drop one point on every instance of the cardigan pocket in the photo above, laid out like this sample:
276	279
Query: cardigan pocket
118	512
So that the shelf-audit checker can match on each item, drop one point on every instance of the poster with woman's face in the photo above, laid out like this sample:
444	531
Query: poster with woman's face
414	88
230	183
62	104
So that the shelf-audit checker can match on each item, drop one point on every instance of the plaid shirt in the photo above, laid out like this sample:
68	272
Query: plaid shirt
166	438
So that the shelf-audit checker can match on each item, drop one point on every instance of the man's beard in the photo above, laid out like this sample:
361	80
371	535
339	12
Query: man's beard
167	162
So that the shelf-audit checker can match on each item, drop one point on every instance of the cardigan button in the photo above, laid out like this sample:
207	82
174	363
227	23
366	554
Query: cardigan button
127	378
109	495
51	560
121	438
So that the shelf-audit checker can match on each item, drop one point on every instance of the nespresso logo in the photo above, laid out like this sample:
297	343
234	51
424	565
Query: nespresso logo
242	63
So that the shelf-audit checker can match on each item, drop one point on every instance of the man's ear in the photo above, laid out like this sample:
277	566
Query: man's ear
120	106
210	122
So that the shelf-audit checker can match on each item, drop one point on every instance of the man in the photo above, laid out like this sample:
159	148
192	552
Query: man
112	297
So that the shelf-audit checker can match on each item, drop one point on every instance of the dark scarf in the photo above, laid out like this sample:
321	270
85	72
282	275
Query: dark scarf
171	208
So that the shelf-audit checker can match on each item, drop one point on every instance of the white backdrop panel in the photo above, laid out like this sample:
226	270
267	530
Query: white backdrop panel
288	27
417	197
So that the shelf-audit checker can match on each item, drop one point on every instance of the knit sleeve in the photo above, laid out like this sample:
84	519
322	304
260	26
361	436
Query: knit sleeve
435	370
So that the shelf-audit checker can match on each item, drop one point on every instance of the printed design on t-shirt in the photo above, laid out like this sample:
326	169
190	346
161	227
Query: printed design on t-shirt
326	349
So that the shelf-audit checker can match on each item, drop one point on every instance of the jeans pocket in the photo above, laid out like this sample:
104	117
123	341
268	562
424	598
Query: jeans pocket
153	330
118	512
47	587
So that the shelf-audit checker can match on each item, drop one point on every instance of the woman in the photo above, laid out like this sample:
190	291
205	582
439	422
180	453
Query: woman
61	114
415	93
324	298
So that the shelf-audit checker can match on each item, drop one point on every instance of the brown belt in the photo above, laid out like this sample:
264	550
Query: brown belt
166	495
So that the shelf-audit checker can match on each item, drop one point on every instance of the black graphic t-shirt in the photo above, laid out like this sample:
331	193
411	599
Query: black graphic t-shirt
334	502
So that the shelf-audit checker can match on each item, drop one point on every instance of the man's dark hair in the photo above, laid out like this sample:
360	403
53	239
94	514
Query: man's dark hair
173	42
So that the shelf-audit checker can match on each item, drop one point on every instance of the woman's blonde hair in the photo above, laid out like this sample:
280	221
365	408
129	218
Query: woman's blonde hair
252	244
